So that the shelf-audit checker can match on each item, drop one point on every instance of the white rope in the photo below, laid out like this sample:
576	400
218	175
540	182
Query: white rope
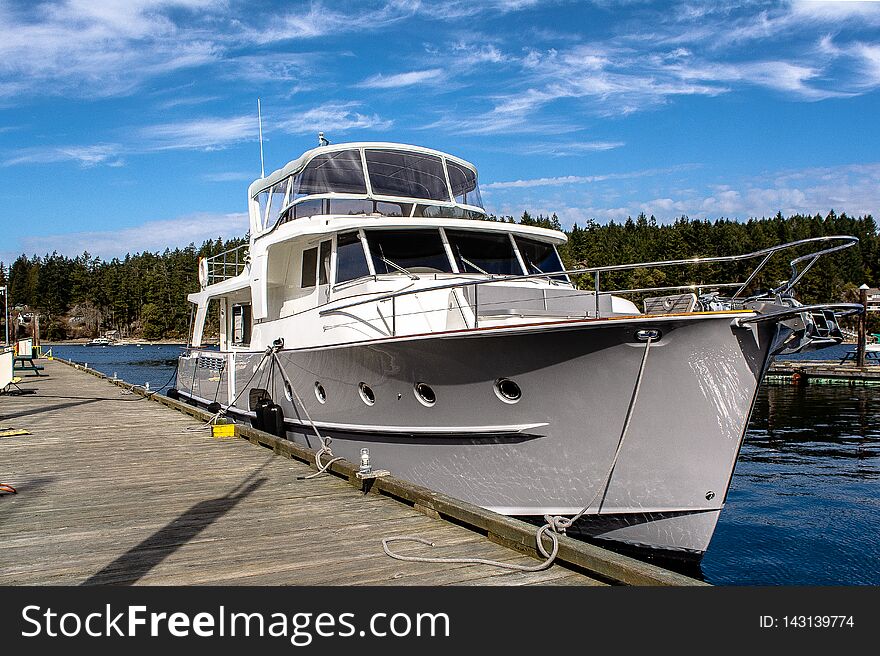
207	425
325	441
556	524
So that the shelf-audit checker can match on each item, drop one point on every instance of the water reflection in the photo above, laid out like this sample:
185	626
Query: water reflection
817	425
803	505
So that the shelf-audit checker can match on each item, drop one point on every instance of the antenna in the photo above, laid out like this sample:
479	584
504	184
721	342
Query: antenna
260	120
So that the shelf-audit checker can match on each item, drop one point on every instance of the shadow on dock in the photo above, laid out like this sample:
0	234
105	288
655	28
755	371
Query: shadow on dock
137	562
49	408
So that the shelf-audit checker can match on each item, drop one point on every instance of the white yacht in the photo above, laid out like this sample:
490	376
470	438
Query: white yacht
376	305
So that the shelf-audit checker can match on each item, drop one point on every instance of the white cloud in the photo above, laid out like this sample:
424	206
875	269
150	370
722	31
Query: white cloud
332	117
107	154
85	48
397	80
568	149
200	134
854	189
584	179
149	236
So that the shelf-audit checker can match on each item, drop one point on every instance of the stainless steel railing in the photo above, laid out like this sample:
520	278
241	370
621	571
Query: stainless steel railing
799	267
227	264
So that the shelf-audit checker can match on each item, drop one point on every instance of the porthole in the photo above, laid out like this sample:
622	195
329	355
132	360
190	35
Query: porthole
425	394
507	390
367	394
320	394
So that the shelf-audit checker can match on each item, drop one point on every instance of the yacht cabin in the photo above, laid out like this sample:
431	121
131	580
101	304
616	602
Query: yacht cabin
365	241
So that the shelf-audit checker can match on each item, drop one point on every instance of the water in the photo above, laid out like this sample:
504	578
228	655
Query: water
137	364
804	503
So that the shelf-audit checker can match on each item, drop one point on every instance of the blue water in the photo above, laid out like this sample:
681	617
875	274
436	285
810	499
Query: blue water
804	503
137	364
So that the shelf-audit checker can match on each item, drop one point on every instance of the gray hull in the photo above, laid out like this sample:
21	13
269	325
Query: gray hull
551	451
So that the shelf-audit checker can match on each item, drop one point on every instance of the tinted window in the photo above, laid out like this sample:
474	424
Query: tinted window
417	251
402	173
351	262
350	206
339	172
477	252
539	256
306	209
393	209
309	267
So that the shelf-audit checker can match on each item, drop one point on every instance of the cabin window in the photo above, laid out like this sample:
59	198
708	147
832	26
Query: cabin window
417	251
324	269
349	206
340	172
408	174
305	209
393	209
351	262
309	267
483	252
241	324
464	184
540	257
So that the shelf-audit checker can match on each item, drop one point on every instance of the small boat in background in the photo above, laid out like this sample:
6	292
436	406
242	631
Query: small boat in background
99	341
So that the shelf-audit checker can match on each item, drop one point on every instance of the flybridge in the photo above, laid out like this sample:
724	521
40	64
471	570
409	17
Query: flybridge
366	178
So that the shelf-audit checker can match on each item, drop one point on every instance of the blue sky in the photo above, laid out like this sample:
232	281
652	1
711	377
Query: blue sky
131	125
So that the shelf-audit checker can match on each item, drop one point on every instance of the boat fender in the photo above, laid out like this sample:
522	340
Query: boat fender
173	394
274	420
214	408
261	420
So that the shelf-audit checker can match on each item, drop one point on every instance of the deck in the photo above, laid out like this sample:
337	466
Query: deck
114	488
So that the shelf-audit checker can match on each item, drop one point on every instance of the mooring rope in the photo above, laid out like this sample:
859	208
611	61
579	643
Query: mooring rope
325	441
555	524
214	418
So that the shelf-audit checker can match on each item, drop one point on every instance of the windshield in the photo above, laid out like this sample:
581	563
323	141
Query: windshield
351	263
340	172
481	252
540	257
417	251
407	174
464	184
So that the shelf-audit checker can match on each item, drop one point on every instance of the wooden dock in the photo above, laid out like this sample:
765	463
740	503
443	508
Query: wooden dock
820	371
115	488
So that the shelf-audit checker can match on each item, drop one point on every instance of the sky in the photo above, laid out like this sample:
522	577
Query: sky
132	125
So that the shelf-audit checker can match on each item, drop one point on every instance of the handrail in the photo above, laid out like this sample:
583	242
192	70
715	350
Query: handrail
765	252
217	267
839	309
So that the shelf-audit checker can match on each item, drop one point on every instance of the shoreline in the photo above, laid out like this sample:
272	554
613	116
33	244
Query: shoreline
85	341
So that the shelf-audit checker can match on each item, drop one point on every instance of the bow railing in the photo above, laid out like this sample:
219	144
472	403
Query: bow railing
799	267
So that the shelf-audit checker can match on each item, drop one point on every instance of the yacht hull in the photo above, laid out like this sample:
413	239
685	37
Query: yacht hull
551	451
